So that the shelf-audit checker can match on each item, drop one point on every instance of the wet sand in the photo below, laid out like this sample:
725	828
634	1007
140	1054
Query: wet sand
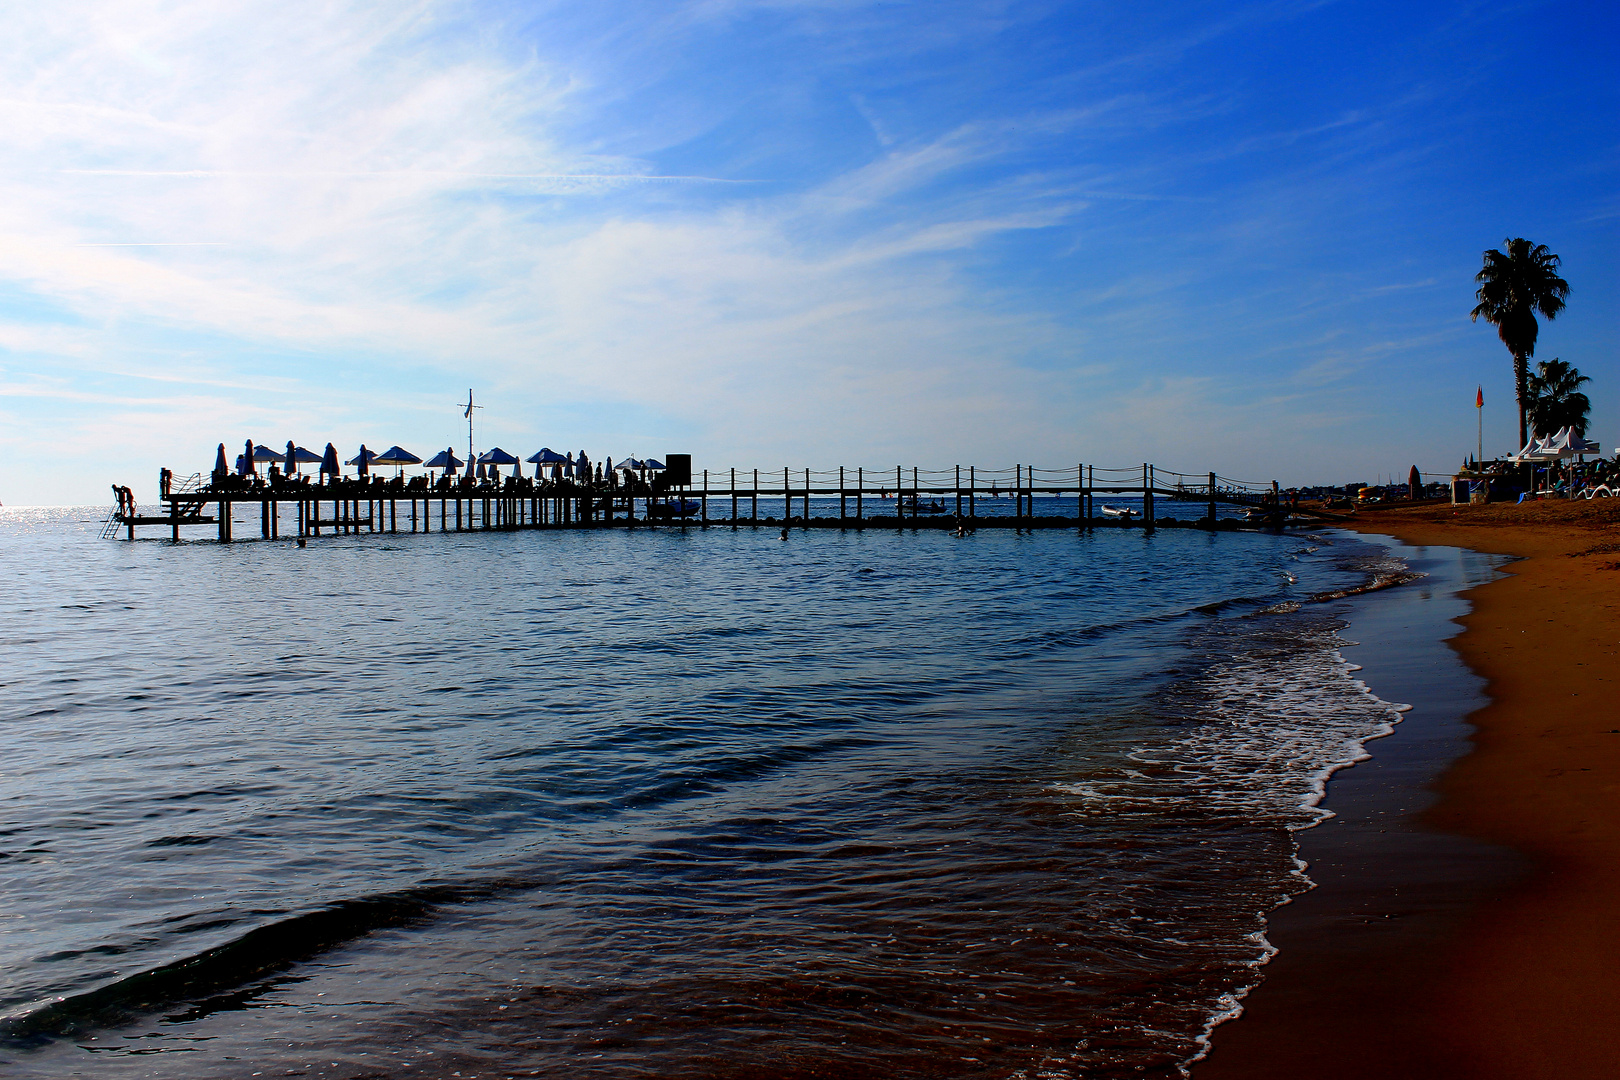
1472	930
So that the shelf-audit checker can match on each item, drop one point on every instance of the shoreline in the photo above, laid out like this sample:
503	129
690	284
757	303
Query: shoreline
1466	931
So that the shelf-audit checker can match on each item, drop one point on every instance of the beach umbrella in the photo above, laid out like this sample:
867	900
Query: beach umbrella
264	453
220	468
444	459
362	461
307	457
397	457
480	473
495	459
517	470
583	464
652	463
471	473
297	455
244	464
546	456
329	461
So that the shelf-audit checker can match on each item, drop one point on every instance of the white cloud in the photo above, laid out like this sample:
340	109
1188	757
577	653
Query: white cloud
316	220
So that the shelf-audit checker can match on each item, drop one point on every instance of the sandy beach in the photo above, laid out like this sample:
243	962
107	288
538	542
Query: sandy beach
1479	940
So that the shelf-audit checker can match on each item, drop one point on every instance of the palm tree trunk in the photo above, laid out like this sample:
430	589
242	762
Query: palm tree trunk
1521	388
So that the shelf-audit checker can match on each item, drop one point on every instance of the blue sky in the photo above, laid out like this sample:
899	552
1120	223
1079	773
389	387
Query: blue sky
1237	237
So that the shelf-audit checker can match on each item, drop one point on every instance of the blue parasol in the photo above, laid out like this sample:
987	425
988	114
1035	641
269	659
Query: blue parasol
497	456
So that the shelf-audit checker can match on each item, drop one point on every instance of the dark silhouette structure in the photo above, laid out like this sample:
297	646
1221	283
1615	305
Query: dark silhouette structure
1556	401
1513	287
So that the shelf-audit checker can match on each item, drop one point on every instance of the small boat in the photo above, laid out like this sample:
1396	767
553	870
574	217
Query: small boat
931	507
675	508
1120	512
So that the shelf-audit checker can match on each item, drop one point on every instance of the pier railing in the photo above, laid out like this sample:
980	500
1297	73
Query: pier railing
882	496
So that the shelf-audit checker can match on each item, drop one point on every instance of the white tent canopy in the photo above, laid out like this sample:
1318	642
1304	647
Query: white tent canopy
1563	444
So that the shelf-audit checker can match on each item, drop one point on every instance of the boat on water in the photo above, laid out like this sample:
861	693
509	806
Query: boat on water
674	508
933	506
1120	512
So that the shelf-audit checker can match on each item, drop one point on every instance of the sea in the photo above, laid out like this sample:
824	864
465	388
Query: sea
663	802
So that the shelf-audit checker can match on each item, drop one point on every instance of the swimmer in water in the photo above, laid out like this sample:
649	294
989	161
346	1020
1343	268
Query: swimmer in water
784	533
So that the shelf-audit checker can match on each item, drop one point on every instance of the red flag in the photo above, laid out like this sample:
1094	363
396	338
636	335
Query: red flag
1479	399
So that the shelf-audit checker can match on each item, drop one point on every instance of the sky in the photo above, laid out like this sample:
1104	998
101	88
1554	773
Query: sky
808	233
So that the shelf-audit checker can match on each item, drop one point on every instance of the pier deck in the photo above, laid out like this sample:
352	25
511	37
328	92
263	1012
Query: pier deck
355	505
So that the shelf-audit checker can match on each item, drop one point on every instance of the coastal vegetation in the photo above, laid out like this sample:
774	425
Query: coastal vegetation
1556	401
1513	287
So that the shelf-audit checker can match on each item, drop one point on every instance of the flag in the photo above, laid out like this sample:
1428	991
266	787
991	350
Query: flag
1479	398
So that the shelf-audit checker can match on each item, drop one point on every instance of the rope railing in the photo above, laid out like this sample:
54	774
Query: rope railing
908	478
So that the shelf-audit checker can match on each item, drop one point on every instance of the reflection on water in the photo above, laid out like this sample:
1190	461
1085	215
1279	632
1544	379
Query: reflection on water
658	803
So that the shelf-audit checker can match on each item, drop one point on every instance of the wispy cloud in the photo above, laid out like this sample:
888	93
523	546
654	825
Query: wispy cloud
764	229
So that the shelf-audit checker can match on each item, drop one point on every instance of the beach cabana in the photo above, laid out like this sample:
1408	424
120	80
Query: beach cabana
1534	452
1567	444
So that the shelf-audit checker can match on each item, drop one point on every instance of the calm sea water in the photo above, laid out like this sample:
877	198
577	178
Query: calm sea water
654	804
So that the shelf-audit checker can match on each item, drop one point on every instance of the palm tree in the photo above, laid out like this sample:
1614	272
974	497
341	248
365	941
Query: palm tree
1556	401
1512	288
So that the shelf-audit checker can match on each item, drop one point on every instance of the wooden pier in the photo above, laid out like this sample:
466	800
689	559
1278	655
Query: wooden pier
897	498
